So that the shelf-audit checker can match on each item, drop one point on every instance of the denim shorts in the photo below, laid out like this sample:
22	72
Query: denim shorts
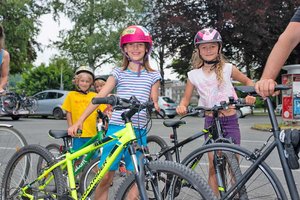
229	125
79	142
142	141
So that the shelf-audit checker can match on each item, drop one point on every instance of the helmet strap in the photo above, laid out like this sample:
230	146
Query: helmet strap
81	91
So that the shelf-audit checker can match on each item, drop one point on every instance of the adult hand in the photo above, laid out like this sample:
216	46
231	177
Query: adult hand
73	130
266	88
181	110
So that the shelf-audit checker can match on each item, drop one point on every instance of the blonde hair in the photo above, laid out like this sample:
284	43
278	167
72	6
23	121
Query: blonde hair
79	76
2	36
99	81
145	64
198	62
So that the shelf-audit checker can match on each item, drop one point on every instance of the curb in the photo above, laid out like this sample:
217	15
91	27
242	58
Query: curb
268	127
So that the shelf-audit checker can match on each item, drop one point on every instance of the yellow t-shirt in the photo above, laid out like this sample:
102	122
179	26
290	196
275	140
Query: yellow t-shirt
76	103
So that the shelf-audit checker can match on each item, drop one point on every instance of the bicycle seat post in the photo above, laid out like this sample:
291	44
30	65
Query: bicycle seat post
175	141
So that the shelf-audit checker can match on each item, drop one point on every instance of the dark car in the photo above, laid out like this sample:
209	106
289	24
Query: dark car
49	103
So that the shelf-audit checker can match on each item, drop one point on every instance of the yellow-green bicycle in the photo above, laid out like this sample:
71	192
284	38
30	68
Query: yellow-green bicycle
155	180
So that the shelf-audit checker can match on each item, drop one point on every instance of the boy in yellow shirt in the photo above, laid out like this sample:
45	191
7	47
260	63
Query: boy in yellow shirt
77	101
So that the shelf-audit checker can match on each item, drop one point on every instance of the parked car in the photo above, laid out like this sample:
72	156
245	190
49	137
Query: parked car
167	106
278	109
49	103
243	111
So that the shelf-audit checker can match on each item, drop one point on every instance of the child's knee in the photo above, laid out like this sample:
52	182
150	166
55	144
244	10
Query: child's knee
107	179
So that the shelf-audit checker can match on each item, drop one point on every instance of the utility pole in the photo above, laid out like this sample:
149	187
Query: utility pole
61	78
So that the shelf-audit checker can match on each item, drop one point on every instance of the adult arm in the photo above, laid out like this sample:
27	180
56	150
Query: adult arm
287	41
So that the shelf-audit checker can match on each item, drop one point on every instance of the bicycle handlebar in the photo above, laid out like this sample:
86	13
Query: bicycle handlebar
119	103
238	103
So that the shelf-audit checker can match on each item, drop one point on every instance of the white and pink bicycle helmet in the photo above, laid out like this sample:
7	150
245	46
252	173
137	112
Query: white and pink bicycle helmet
207	35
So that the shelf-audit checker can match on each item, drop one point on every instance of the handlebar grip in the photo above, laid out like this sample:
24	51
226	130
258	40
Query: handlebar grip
112	100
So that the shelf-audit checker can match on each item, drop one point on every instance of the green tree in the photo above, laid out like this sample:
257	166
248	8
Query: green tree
249	29
94	38
47	77
20	21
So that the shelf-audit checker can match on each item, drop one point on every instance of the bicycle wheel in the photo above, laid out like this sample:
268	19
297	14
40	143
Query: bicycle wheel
15	178
54	149
167	180
263	184
89	173
11	140
155	146
10	104
31	104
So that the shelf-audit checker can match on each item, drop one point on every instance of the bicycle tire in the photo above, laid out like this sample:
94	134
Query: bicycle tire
10	103
11	140
54	149
196	187
12	183
89	173
155	146
262	184
31	104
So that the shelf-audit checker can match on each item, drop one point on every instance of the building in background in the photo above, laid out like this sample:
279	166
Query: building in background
175	90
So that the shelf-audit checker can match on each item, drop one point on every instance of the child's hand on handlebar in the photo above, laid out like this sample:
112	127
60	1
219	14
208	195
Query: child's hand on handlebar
181	110
73	130
250	100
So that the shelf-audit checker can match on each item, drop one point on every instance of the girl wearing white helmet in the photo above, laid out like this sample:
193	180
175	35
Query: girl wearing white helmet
211	76
135	77
77	101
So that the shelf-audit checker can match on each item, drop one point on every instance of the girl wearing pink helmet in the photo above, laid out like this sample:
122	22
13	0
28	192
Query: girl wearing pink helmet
134	77
211	76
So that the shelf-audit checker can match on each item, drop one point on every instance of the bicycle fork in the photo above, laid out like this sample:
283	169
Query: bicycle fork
219	171
139	175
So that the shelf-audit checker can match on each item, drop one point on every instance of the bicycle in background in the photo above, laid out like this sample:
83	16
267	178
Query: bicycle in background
11	141
13	102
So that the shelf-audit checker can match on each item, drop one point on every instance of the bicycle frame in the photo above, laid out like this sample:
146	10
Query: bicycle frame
260	158
125	137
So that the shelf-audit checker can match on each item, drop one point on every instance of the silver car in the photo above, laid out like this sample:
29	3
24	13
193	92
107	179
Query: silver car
49	103
167	106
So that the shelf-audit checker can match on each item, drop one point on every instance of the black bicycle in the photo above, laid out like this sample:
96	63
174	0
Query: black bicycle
257	178
225	163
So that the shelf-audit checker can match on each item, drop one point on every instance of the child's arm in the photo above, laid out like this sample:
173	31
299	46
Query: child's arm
69	118
154	94
182	107
239	76
108	87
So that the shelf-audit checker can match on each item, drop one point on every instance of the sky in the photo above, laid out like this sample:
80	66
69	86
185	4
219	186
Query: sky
49	32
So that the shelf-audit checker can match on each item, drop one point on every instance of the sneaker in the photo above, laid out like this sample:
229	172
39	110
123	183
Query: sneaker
122	170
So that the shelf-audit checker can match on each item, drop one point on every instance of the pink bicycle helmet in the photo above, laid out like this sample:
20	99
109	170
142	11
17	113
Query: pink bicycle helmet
207	35
135	34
